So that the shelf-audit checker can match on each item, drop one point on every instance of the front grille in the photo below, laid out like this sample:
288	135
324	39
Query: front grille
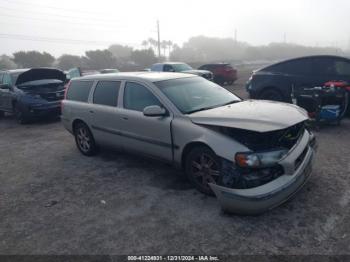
53	96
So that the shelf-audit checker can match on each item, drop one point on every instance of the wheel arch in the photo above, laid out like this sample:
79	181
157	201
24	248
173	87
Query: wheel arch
273	88
187	149
76	122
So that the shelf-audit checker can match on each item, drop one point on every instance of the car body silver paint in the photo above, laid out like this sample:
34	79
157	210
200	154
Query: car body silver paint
167	137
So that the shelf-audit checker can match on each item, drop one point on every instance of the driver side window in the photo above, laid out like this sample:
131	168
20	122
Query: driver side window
137	97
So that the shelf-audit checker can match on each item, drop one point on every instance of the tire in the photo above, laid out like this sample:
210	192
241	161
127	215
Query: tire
20	116
219	80
202	166
230	83
84	140
273	95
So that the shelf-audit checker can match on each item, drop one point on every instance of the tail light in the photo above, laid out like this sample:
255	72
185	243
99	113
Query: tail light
66	86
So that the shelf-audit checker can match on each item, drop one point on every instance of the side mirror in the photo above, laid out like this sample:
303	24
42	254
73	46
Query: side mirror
154	111
5	86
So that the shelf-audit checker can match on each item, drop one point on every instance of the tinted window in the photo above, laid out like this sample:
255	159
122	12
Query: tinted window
106	93
1	74
205	67
137	97
300	66
79	90
323	66
342	68
168	68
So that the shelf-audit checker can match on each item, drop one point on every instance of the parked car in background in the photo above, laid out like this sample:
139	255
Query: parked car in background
223	73
277	81
31	93
109	71
248	153
181	68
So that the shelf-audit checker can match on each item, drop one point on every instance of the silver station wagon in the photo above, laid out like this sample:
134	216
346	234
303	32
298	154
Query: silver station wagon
253	155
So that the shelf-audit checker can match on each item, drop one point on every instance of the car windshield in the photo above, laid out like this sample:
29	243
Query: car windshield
181	67
195	94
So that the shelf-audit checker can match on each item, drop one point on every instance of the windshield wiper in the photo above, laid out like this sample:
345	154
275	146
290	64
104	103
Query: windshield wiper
212	107
229	103
200	109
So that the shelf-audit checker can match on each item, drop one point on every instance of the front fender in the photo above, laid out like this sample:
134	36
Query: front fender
186	132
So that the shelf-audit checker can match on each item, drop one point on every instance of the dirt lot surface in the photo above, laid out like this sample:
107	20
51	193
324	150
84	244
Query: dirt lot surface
53	200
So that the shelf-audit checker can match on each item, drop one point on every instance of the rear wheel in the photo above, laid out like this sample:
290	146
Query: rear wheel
202	167
219	80
84	140
272	94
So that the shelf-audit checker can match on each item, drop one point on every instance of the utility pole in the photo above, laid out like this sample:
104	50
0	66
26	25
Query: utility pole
236	36
158	39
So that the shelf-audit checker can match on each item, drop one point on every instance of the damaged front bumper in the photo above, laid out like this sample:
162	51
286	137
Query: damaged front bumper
297	167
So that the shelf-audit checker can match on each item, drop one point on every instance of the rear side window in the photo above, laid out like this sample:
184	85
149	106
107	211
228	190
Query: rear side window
204	67
137	97
79	90
106	93
297	67
342	68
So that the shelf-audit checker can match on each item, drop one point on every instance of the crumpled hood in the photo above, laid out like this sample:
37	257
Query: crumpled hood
197	72
35	74
253	115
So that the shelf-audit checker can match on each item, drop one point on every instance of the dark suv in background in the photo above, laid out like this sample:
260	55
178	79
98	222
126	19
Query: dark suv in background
223	73
276	82
31	93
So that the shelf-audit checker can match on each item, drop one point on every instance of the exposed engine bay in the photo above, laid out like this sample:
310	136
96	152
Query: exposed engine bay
234	175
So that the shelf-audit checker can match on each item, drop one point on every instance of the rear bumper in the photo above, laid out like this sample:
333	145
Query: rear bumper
263	198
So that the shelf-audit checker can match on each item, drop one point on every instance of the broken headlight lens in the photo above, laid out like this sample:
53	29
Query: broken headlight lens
259	159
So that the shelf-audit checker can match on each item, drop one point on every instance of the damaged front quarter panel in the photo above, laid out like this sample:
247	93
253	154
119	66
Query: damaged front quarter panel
251	195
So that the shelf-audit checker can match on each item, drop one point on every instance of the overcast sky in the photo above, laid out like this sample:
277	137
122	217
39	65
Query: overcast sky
73	26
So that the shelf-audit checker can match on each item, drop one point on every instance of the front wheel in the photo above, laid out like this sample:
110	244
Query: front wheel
202	167
272	95
85	140
20	116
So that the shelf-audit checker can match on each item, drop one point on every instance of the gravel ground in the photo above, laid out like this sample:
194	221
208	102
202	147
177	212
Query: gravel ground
53	200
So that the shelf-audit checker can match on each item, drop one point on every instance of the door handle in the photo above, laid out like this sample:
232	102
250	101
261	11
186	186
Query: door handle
91	111
125	118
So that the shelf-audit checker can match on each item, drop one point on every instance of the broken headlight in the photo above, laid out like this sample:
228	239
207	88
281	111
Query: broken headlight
259	159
